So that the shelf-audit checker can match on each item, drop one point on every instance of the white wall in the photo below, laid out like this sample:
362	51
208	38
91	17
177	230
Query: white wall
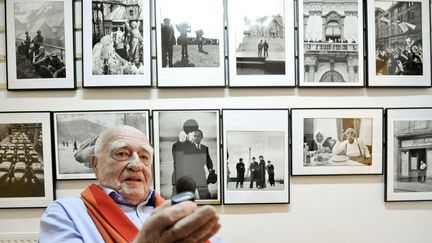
322	208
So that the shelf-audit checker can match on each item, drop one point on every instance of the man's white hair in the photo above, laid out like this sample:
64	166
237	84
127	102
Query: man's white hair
350	129
107	136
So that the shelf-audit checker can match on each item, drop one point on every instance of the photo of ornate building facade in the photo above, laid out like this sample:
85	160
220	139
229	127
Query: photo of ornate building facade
332	39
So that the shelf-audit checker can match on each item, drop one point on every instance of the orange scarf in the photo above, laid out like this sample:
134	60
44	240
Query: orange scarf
110	220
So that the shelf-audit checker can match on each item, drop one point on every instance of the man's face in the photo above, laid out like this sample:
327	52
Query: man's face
261	158
350	136
125	166
197	137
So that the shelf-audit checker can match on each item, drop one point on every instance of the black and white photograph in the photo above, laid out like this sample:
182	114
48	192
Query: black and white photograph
187	146
331	43
399	38
261	43
40	44
409	154
116	43
26	178
255	156
75	134
190	43
337	141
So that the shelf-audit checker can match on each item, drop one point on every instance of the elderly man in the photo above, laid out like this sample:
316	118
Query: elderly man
123	207
352	147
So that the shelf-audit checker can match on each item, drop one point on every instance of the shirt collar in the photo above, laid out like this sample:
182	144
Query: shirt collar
119	199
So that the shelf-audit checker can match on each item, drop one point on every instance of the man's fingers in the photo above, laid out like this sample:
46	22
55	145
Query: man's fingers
204	232
213	230
195	223
181	222
169	215
161	207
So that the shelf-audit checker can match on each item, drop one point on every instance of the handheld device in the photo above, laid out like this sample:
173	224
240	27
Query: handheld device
183	196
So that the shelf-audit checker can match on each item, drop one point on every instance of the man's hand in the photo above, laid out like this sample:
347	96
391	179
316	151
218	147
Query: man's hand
183	222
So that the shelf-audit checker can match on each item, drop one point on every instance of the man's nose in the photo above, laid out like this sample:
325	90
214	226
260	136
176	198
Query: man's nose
134	162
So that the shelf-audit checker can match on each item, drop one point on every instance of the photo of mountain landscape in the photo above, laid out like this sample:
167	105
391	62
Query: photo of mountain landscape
40	44
40	38
76	134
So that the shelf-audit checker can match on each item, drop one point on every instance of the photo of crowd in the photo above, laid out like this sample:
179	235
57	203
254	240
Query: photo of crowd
401	60
21	160
399	38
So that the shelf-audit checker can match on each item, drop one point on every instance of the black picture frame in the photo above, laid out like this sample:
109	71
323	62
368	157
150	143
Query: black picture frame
409	135
40	45
399	48
173	132
248	135
275	66
121	58
331	44
200	60
26	173
350	141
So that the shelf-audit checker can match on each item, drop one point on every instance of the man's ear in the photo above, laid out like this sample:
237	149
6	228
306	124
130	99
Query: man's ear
94	161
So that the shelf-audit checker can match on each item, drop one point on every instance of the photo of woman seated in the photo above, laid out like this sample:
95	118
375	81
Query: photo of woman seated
321	143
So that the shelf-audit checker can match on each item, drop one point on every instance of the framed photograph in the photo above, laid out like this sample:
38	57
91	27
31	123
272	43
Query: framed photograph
331	43
187	153
261	43
255	156
337	141
75	134
40	44
409	154
190	43
399	43
116	43
26	176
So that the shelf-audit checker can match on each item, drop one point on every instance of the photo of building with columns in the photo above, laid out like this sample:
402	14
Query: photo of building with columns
332	39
